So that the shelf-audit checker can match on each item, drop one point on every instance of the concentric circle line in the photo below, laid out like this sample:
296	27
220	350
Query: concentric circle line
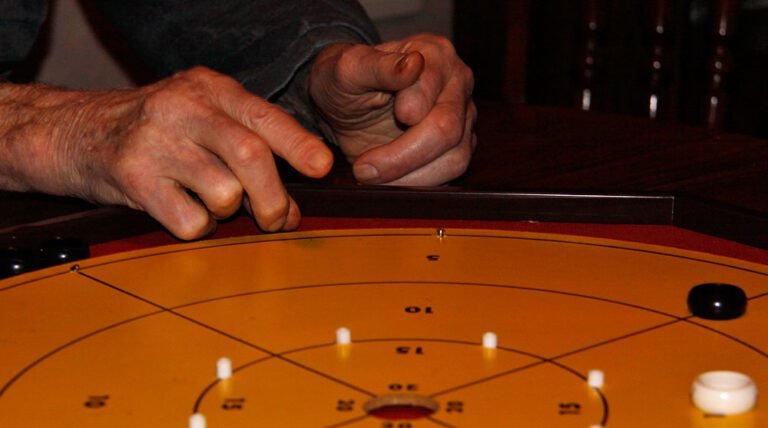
66	345
411	282
259	240
690	320
541	361
491	285
172	310
51	350
271	239
227	335
246	365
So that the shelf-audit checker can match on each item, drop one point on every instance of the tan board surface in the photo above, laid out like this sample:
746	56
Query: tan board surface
133	339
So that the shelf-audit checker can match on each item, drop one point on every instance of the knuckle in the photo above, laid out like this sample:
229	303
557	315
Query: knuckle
256	109
225	195
449	127
441	43
188	92
247	150
174	101
197	73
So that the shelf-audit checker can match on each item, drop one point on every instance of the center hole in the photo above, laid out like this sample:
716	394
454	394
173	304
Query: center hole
400	407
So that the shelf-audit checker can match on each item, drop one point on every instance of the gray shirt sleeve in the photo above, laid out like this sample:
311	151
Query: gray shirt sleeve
265	44
20	22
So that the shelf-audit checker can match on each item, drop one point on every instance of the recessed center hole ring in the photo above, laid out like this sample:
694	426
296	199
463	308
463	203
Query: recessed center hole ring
401	406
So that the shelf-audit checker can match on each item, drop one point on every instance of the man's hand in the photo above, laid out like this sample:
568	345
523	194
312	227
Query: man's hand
402	112
188	150
196	147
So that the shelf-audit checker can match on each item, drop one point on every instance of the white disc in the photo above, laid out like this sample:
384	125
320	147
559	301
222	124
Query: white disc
724	392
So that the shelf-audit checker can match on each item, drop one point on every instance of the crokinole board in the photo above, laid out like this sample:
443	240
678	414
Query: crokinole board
132	339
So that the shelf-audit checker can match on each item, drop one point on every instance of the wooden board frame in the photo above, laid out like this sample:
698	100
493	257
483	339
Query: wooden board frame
449	203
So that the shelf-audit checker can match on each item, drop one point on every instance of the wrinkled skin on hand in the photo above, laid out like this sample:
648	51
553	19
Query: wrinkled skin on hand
195	147
402	111
197	132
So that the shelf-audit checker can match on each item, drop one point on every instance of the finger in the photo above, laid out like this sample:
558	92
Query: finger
157	181
204	174
412	104
249	157
446	168
449	123
442	64
293	218
282	133
184	217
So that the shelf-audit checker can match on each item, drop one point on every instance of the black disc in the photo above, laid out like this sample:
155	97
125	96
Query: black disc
717	301
61	250
14	261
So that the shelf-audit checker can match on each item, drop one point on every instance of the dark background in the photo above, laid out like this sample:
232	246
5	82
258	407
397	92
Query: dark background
532	51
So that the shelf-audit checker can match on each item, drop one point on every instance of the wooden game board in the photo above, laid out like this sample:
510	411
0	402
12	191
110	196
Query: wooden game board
133	339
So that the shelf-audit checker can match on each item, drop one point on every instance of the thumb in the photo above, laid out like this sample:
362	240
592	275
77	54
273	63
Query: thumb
359	69
391	71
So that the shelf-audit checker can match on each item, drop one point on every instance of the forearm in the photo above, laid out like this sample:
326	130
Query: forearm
44	133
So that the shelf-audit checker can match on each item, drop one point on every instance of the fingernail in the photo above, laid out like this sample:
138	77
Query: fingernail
366	172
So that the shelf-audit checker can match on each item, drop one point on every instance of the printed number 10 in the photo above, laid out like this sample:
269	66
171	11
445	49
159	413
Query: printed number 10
419	309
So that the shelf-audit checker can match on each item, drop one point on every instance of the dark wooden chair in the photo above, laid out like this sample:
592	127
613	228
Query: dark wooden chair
702	62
